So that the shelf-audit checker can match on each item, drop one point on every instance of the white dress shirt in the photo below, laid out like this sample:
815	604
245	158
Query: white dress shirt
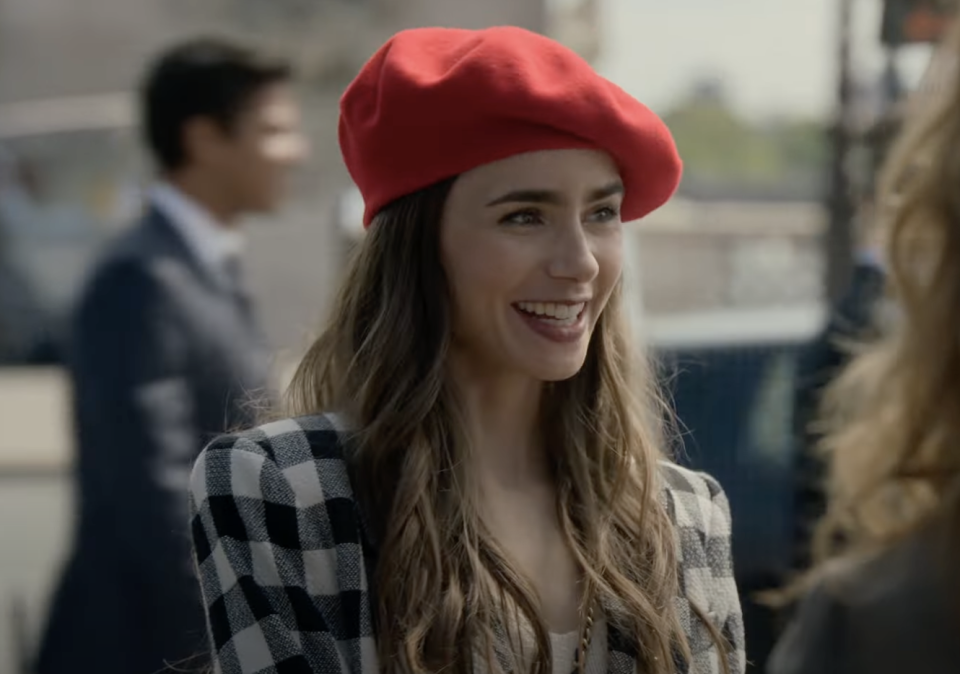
211	242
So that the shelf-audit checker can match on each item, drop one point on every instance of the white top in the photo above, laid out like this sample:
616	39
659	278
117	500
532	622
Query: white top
565	645
212	242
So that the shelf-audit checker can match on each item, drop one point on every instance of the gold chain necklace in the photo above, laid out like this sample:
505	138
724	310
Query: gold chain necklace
583	647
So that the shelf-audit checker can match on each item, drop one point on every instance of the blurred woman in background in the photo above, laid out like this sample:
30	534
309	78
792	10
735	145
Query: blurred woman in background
886	596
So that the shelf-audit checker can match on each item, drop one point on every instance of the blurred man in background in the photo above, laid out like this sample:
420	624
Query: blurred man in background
165	354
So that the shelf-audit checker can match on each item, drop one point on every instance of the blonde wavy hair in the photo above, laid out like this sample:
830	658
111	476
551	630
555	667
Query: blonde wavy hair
892	422
440	576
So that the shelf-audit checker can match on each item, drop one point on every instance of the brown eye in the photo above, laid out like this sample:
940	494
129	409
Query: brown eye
526	217
605	214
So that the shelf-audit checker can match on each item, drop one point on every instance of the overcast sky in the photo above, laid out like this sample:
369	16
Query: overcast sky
775	56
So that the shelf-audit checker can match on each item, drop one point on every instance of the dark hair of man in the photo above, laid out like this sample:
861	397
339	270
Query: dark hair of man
205	77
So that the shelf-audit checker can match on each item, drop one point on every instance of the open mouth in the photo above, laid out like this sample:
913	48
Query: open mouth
553	313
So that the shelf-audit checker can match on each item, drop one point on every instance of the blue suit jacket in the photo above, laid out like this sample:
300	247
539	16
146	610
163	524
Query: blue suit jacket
163	357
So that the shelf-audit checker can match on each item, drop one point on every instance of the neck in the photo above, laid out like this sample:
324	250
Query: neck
503	424
207	194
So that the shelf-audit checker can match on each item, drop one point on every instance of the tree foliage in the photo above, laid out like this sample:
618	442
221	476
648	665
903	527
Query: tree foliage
717	144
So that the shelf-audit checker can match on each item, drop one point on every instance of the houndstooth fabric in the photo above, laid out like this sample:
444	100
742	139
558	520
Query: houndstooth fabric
283	564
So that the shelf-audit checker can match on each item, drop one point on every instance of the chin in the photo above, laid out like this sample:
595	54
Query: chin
557	371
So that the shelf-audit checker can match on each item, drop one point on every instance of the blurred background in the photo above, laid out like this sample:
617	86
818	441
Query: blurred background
781	109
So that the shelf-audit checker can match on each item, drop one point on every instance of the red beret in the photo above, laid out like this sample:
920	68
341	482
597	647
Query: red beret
436	102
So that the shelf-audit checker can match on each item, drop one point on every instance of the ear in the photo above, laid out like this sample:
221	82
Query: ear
203	141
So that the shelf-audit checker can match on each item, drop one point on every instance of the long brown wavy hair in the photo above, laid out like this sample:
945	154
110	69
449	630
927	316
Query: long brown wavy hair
442	581
892	422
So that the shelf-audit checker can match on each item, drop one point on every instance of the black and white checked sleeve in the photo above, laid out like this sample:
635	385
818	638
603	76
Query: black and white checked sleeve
268	580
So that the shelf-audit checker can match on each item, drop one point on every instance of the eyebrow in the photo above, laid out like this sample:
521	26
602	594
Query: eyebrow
554	197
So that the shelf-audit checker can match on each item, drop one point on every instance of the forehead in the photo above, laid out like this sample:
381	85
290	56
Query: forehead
567	171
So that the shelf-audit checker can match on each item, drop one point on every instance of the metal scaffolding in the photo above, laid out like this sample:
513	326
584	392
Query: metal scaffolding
840	201
904	22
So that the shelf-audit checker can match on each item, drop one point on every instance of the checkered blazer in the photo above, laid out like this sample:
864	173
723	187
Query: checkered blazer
283	560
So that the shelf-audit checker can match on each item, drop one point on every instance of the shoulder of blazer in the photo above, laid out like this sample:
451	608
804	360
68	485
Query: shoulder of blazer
292	441
700	512
698	508
695	502
697	496
144	248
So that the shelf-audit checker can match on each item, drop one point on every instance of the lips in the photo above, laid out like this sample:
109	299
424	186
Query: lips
561	322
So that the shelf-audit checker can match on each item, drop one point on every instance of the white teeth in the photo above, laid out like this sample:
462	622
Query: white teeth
565	314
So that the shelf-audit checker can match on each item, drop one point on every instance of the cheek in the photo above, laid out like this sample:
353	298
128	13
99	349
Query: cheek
472	276
243	162
266	163
257	158
482	270
609	256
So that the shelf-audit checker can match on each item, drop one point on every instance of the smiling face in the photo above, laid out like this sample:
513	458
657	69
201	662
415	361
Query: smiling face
532	249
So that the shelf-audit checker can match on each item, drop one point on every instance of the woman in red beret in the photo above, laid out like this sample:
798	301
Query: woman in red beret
472	479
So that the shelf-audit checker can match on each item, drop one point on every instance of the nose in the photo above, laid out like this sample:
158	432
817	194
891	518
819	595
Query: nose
290	148
573	257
